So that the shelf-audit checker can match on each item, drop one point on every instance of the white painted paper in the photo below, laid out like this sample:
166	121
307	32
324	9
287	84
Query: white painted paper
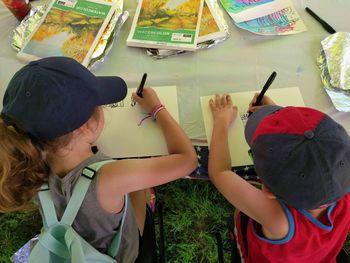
237	144
123	137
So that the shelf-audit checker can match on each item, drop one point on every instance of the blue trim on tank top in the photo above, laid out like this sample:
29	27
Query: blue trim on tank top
290	233
317	222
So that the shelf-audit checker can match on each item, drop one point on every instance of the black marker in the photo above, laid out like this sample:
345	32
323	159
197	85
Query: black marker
323	23
264	89
139	89
142	84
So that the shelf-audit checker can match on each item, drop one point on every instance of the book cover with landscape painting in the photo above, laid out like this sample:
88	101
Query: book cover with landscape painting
210	28
167	24
70	28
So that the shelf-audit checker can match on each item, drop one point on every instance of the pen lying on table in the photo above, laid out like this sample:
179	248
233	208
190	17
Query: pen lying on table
324	24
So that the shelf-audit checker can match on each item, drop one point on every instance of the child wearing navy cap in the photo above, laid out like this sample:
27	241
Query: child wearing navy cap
51	116
302	156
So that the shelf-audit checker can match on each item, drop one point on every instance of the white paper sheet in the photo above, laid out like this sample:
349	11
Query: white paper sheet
237	144
122	136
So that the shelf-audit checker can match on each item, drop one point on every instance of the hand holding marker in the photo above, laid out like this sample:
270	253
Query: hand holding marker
139	89
264	89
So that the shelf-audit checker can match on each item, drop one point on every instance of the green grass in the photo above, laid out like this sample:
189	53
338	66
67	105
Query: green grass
16	230
193	212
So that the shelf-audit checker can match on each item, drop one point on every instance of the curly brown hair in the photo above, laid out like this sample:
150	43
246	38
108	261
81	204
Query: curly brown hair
22	170
24	166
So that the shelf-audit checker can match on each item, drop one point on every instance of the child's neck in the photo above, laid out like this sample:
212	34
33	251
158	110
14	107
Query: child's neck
318	213
65	160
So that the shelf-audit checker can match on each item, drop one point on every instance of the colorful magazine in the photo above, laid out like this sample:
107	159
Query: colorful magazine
167	24
70	28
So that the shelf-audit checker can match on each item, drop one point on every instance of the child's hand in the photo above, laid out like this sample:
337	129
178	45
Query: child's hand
222	109
265	101
149	99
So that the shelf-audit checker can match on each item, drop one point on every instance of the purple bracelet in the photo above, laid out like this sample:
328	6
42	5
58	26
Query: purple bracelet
153	114
156	110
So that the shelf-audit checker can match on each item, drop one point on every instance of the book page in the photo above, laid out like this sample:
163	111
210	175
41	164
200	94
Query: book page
74	36
126	135
237	144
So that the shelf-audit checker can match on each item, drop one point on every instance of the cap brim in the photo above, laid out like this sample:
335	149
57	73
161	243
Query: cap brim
255	119
111	90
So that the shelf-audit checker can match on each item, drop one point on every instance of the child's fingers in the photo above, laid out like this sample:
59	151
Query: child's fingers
211	104
223	100
254	98
228	99
217	100
252	108
135	97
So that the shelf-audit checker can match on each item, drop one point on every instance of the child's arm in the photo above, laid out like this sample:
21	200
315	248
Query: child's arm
124	176
236	190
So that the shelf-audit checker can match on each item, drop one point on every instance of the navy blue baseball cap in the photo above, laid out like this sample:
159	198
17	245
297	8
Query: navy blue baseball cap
53	96
301	155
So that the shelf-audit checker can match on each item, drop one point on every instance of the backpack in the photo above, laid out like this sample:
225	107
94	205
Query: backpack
58	242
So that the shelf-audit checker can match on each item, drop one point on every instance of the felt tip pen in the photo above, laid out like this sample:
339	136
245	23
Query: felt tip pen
142	84
323	23
264	89
139	89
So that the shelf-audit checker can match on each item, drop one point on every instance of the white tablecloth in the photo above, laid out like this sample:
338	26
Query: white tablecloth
242	63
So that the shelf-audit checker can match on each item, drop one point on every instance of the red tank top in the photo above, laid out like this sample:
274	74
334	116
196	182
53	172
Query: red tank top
308	239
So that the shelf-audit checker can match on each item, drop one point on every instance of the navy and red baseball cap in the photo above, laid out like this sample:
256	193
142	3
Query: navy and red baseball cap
301	155
53	96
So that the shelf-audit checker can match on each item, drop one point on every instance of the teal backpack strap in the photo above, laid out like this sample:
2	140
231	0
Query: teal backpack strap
48	208
80	190
113	248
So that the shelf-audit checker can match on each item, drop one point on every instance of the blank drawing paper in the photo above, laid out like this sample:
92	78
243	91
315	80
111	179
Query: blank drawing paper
123	135
237	144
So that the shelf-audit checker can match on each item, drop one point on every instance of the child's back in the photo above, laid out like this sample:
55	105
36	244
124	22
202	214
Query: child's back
97	226
301	213
51	117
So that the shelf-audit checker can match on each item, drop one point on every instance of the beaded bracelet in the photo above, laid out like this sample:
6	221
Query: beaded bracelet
153	113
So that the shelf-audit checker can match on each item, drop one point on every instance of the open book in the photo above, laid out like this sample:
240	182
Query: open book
126	134
237	144
70	28
168	24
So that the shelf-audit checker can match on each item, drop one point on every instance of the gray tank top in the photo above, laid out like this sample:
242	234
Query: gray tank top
92	222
